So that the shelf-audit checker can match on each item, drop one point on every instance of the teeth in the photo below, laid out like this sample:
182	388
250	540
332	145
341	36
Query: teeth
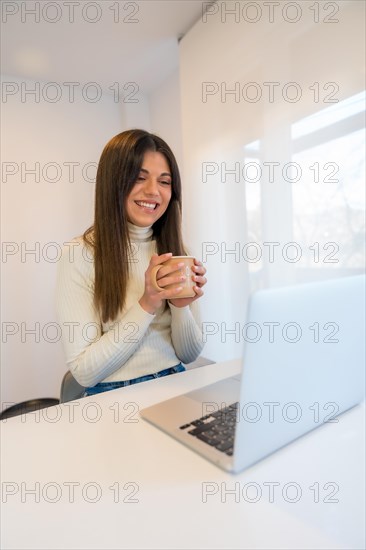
147	204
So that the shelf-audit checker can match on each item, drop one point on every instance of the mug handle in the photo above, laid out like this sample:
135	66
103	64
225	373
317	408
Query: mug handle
154	273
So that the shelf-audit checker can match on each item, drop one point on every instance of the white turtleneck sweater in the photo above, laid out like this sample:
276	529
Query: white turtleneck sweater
136	343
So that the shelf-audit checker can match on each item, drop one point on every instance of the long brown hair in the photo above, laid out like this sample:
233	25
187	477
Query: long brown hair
118	169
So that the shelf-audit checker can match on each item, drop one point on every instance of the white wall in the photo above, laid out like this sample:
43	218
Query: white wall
38	213
165	114
229	52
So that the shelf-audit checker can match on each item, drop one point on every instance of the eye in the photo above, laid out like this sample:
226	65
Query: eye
165	182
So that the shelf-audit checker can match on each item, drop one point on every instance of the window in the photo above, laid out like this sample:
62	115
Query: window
329	199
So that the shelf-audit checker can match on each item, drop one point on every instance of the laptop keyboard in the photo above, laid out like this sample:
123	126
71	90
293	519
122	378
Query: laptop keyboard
216	429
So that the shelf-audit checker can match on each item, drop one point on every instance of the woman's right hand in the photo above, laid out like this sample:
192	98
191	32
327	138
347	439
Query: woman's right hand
152	298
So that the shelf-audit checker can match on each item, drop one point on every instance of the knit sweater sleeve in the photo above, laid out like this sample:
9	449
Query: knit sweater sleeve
186	332
92	354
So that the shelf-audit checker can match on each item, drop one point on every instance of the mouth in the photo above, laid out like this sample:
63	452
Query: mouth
147	205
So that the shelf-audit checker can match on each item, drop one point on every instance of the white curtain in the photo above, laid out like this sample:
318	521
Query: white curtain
273	112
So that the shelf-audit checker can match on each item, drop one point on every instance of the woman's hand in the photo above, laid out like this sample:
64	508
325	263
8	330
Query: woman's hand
200	281
152	298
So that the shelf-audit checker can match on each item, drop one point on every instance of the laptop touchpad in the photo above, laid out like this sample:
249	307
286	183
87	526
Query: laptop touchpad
223	392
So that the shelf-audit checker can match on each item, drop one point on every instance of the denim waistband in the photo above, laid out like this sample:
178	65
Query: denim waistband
107	386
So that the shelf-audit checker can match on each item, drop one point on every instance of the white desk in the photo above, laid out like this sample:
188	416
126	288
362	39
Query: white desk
135	487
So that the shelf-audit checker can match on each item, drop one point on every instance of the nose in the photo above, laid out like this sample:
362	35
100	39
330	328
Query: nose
151	186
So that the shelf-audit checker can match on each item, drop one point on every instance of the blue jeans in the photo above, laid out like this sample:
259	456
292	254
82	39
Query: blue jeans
107	386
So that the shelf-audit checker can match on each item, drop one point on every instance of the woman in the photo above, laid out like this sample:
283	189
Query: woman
120	330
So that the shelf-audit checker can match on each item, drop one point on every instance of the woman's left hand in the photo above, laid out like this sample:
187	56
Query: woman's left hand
200	281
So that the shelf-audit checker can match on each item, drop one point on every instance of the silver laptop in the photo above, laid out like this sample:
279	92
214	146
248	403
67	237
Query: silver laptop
303	365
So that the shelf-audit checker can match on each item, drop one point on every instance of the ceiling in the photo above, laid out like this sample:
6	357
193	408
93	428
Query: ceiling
127	42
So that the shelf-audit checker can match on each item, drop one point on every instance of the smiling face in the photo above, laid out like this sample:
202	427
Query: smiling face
151	194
